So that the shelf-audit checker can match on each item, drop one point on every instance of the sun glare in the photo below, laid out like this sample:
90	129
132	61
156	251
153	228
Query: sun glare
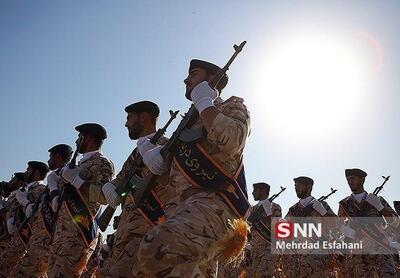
308	86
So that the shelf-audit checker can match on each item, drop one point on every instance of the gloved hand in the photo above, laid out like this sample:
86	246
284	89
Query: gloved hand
319	207
22	197
155	162
143	145
52	181
347	231
55	203
267	205
72	176
375	201
10	225
110	192
203	96
29	211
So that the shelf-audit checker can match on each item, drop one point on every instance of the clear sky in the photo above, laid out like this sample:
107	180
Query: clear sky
319	79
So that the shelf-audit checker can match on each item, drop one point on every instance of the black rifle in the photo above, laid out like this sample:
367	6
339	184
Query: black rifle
323	198
256	215
307	210
130	186
379	188
145	185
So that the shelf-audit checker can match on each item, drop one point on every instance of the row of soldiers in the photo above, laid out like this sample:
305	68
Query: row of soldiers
190	222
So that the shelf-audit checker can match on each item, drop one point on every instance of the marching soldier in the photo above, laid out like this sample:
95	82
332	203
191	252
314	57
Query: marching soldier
262	262
134	223
301	265
208	180
16	182
35	262
34	176
94	261
75	235
363	204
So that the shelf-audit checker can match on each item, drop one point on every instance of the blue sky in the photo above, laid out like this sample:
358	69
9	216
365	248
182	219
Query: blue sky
65	63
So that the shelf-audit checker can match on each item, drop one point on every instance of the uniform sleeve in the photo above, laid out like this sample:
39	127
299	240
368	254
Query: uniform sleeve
390	214
102	174
276	211
121	178
342	212
231	127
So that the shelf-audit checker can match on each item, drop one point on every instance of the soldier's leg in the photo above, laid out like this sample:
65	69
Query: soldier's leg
290	265
385	266
34	264
184	242
10	257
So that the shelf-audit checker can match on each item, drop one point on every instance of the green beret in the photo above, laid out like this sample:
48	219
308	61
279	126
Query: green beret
211	69
355	172
38	165
262	185
19	175
62	149
304	180
92	129
143	106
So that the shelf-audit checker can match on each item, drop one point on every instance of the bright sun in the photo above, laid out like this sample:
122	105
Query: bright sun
308	86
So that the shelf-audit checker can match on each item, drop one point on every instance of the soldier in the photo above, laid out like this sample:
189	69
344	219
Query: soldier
75	235
9	190
134	223
207	178
34	263
298	265
34	176
262	262
363	204
94	261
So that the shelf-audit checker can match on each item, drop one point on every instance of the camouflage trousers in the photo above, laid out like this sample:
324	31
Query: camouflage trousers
34	263
186	244
91	267
306	266
381	266
12	255
262	262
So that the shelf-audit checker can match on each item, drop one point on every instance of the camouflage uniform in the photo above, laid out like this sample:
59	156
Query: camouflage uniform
186	245
262	262
69	253
34	263
366	265
94	261
4	236
131	228
16	248
305	266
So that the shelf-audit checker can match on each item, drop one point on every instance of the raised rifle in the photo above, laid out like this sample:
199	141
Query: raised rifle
323	198
130	186
307	210
379	188
144	186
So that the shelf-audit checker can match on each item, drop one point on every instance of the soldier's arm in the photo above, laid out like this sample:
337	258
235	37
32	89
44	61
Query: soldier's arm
230	127
389	213
341	211
276	210
120	180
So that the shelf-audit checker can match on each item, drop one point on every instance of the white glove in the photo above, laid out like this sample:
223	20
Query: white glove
143	145
393	244
111	194
347	231
72	176
52	181
319	207
375	201
29	211
267	205
22	197
55	203
155	162
202	96
10	225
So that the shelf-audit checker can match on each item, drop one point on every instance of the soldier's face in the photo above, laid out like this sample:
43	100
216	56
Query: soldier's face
134	126
54	161
195	76
260	193
29	175
301	190
355	183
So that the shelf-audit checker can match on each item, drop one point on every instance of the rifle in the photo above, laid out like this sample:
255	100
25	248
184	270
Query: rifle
323	198
105	218
35	207
379	188
260	210
145	185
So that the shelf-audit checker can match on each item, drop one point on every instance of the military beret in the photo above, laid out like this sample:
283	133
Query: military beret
304	180
62	149
37	165
355	172
19	175
396	203
262	185
92	129
144	106
211	69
